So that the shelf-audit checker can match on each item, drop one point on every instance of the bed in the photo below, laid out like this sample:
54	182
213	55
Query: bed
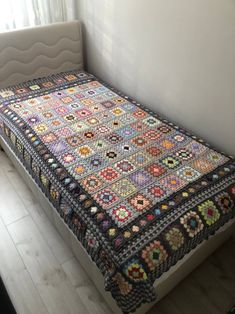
140	200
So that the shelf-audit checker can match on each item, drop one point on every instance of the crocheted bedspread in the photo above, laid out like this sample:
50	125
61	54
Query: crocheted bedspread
138	191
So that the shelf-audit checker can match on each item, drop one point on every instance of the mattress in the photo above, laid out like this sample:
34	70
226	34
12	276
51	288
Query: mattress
138	191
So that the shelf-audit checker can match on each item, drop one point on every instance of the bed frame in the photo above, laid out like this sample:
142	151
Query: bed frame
40	51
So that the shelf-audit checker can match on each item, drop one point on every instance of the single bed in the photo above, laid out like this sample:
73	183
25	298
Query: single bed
140	200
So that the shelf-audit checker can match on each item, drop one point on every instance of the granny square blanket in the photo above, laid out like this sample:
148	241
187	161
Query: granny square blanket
138	191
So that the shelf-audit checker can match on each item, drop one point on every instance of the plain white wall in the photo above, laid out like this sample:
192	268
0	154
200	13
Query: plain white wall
176	57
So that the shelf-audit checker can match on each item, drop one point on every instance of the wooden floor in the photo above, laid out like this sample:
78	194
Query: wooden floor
42	275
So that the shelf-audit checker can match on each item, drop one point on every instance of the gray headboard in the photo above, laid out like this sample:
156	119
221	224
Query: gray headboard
39	51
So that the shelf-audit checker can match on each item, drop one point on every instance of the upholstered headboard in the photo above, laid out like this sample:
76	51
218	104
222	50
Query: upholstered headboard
39	51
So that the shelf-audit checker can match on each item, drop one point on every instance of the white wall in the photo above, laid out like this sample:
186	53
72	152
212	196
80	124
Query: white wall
176	57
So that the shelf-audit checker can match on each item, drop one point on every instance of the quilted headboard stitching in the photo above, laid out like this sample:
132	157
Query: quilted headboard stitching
35	52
